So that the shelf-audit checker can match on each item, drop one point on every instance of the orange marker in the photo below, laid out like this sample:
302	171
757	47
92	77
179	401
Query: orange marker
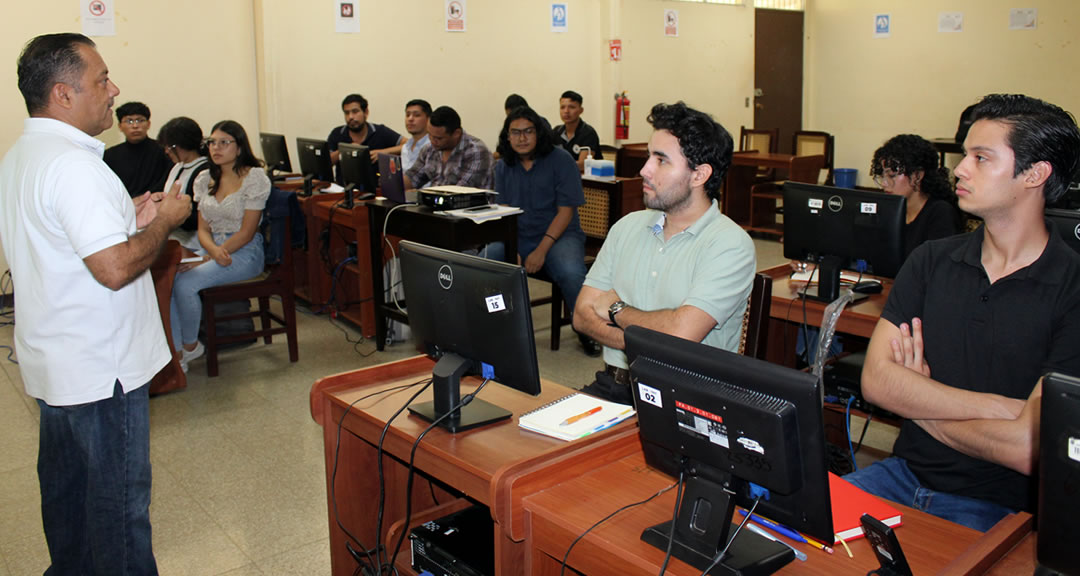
577	417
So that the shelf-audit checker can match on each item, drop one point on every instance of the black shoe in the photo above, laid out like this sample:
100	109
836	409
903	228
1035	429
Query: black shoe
592	349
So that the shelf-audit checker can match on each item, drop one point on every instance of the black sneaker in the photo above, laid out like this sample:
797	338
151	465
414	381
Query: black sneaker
592	349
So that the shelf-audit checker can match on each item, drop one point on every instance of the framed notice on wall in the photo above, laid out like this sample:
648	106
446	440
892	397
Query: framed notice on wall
98	18
455	15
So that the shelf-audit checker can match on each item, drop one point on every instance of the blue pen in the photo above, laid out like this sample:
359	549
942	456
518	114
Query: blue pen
782	530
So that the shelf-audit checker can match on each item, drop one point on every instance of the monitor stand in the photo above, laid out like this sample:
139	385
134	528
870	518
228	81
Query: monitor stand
828	286
446	384
703	527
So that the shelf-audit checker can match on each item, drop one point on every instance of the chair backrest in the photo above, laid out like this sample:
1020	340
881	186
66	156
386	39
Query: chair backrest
755	333
760	139
277	231
806	169
810	143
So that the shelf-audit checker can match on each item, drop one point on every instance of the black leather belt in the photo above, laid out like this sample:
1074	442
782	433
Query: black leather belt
621	375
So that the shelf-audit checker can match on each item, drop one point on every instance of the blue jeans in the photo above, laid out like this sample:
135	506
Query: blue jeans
185	308
94	474
893	480
564	264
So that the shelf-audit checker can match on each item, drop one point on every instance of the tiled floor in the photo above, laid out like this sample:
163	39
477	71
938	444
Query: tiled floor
239	485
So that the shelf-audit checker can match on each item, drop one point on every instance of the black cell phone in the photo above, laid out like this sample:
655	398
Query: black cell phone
886	547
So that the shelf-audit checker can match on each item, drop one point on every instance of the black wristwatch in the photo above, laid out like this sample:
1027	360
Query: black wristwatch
616	307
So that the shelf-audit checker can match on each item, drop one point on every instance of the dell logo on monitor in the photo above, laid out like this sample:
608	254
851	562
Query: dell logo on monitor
446	277
1076	231
836	203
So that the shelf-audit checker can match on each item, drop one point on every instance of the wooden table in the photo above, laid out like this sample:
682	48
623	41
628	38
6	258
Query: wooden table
496	465
557	516
331	230
426	226
741	177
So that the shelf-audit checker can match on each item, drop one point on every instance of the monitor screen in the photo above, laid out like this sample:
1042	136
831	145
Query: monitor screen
473	315
840	228
1059	474
355	167
735	426
275	152
314	158
1067	223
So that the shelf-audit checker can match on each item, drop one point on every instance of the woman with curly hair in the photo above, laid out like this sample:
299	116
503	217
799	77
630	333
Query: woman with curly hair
907	165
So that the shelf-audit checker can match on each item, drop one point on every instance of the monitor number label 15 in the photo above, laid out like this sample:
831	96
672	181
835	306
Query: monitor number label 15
1074	449
495	303
650	395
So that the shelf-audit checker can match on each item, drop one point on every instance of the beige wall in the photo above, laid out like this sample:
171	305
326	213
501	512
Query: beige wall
194	58
865	90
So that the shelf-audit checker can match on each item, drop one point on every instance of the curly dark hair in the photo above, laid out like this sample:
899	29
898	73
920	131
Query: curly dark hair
701	139
907	154
245	159
1038	131
545	141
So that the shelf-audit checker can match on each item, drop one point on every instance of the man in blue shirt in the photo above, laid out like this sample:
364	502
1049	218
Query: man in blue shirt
357	130
541	179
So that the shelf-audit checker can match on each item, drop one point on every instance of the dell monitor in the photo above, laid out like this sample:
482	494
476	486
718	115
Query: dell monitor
840	228
275	153
473	316
1059	475
734	427
314	158
1067	223
355	167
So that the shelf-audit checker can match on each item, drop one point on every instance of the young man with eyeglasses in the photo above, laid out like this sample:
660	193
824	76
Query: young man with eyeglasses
139	161
540	178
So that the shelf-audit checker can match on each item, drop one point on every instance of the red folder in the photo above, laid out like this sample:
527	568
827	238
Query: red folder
850	503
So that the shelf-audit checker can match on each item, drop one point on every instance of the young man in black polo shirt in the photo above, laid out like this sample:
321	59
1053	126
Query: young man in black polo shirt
993	310
357	130
574	132
139	161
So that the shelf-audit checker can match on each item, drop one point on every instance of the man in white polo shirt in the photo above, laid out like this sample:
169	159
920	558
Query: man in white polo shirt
89	336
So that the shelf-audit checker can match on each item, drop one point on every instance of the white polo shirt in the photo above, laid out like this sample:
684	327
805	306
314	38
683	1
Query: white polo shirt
60	203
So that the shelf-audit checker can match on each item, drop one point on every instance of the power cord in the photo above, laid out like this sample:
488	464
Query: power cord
720	555
333	474
562	570
674	518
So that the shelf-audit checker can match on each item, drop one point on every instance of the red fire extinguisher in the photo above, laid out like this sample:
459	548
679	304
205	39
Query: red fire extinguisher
622	116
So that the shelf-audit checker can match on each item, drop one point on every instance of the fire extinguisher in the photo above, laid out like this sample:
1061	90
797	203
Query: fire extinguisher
622	116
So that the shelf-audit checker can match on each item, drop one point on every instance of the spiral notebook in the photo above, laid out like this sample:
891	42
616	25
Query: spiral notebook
574	416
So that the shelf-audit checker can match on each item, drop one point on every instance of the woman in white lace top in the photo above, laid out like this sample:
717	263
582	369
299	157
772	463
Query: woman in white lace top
231	196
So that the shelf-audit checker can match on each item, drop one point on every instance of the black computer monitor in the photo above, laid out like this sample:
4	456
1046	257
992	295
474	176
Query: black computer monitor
735	426
275	152
355	167
1059	474
1067	223
314	158
839	228
473	315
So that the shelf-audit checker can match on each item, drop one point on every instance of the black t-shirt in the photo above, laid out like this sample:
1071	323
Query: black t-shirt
997	338
937	219
583	136
141	167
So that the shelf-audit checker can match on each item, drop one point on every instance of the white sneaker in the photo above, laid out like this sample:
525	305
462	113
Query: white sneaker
186	356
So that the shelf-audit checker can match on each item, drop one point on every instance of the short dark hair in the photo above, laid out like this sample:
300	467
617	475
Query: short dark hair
446	118
906	154
182	132
423	104
355	98
701	139
572	96
514	101
133	109
1038	131
47	60
545	142
245	159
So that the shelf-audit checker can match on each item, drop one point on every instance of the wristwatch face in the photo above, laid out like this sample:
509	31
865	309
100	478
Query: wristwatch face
614	309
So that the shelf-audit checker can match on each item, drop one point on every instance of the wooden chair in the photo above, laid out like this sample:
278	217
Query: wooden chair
760	139
560	314
277	280
755	332
813	143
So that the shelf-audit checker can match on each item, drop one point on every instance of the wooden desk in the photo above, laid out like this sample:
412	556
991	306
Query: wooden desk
605	203
422	224
555	517
495	465
741	177
331	229
786	314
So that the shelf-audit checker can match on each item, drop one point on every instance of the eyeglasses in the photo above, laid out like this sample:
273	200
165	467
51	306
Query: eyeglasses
211	143
528	132
135	121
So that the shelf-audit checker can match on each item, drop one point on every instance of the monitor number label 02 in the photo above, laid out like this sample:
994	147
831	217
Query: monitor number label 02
650	395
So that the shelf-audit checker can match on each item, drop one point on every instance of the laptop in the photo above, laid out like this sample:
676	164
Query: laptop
392	180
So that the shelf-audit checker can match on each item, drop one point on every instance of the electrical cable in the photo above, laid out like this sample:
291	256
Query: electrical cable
847	426
674	518
720	555
337	451
393	255
412	460
566	556
865	426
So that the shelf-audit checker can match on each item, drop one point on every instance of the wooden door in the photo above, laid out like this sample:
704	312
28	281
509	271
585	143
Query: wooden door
778	72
